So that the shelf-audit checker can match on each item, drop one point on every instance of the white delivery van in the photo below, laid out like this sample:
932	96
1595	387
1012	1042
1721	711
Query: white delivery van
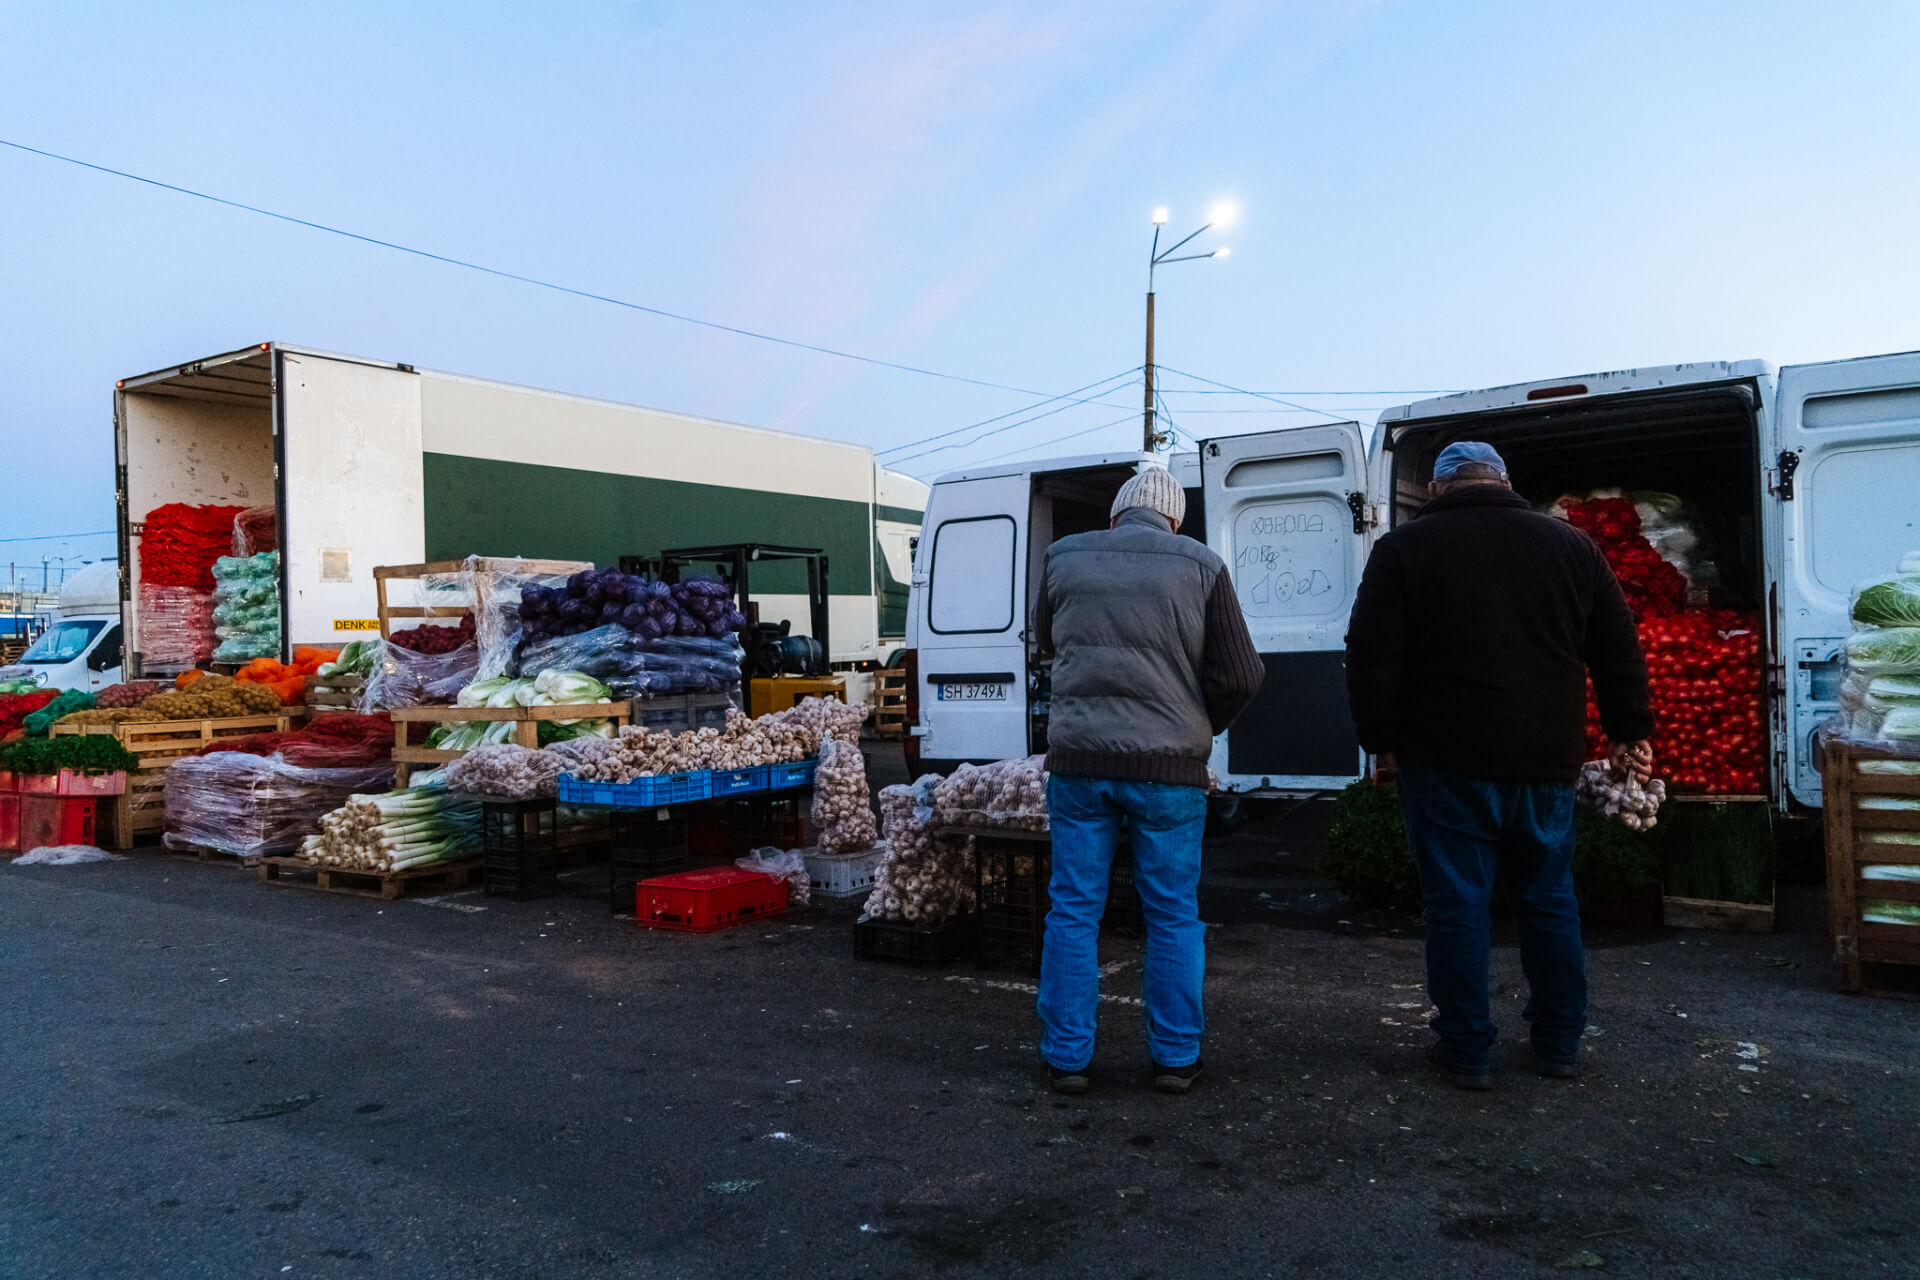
80	649
1804	481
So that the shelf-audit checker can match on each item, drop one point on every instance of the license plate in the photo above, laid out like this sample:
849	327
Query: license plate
973	693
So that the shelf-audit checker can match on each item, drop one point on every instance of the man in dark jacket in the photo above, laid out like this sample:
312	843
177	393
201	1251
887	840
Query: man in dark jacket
1152	661
1473	633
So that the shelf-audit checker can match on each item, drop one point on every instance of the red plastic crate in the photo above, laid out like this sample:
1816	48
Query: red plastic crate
91	784
7	783
37	784
9	823
708	899
49	820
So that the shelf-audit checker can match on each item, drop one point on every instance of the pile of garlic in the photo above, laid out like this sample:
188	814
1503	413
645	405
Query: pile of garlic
1009	794
924	877
825	718
743	744
1619	794
842	805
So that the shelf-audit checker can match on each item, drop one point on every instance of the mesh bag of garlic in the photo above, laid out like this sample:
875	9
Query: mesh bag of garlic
1008	794
924	878
842	804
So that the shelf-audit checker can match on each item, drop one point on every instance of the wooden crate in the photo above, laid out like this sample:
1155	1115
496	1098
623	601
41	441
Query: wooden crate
158	743
485	570
385	885
1852	820
526	732
890	702
336	692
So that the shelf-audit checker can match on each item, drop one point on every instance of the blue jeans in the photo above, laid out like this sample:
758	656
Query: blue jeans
1167	824
1465	832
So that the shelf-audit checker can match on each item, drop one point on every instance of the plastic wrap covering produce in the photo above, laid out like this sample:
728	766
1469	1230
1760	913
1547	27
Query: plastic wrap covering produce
842	805
742	744
1880	686
492	590
246	606
130	694
1619	795
176	627
400	677
1009	794
66	704
647	667
255	530
432	637
505	770
924	877
16	707
18	684
333	741
179	544
400	831
606	597
826	718
255	805
356	658
1653	586
789	866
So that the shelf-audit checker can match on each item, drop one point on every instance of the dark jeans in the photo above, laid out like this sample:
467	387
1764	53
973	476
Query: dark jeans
1465	832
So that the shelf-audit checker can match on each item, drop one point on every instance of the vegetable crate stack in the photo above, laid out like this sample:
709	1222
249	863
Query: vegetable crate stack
1873	859
49	790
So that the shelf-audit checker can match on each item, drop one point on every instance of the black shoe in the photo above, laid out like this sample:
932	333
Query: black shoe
1557	1070
1476	1081
1176	1079
1066	1081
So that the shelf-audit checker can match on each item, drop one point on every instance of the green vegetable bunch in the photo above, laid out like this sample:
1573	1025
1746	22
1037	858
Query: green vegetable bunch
1892	602
81	753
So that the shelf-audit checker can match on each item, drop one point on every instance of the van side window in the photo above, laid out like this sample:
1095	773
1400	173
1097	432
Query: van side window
107	653
970	580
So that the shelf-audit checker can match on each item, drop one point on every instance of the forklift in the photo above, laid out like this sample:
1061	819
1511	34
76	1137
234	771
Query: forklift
779	668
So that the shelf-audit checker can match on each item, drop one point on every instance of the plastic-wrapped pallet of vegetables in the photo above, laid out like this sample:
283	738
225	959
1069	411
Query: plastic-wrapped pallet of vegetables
246	611
842	804
1880	692
255	805
401	677
606	597
924	878
1008	794
638	665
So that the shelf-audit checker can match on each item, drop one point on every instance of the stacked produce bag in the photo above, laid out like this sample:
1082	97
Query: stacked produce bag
925	877
178	547
246	611
644	638
1880	692
1703	663
842	804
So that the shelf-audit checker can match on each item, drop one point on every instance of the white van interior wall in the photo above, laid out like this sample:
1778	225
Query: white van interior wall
1066	503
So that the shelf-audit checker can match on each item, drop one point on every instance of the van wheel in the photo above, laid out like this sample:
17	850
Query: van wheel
1226	812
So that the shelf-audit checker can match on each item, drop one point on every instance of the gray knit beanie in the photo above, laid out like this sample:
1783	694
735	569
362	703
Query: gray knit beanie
1154	488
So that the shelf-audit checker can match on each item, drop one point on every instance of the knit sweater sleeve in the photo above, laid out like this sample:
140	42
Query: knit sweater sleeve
1230	669
1377	647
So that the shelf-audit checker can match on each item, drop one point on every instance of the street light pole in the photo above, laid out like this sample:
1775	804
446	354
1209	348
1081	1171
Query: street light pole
1150	437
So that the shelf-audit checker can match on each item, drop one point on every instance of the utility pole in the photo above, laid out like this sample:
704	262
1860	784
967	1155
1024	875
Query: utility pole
1222	215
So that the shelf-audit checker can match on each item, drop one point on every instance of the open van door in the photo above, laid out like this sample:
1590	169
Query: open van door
970	623
1288	512
1842	480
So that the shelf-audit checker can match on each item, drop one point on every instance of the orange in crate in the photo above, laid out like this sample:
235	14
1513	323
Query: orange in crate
708	899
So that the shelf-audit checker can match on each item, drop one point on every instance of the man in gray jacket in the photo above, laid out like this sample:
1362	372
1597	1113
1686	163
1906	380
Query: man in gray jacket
1152	660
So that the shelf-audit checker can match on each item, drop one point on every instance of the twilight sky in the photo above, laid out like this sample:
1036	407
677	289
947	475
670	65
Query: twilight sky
1432	197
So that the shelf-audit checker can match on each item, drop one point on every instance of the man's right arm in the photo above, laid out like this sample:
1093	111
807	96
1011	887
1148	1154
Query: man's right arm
1377	652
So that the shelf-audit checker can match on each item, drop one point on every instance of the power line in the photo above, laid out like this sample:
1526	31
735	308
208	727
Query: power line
1260	395
985	435
522	279
1009	413
54	537
1071	435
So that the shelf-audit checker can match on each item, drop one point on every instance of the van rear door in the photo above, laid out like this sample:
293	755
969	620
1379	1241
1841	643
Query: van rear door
1288	512
970	592
1842	480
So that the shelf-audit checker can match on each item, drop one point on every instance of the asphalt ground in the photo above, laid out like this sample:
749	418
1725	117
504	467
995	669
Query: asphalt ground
206	1076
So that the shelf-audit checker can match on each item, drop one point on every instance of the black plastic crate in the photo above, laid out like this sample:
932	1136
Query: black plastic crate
642	843
922	946
1013	875
721	831
519	851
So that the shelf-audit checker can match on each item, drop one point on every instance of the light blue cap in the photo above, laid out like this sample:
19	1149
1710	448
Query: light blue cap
1467	453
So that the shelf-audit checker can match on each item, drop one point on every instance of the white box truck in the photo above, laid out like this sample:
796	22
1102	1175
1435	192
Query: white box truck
1805	479
369	462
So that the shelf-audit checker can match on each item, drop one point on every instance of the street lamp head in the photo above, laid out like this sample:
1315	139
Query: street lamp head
1223	214
1160	216
1222	252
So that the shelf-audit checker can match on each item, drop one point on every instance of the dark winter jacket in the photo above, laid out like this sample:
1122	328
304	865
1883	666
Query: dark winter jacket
1152	653
1473	632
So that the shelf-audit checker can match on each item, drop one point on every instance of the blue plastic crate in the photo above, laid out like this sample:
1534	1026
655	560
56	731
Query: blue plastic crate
733	782
641	793
780	777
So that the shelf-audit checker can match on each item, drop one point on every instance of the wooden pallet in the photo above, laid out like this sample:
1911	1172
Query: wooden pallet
890	703
526	731
336	692
158	743
385	885
486	571
1850	787
211	857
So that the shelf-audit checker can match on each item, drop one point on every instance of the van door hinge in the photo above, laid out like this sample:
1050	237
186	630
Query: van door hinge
1357	503
1787	463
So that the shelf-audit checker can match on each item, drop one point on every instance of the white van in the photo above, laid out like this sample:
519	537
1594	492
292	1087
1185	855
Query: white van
1806	480
80	649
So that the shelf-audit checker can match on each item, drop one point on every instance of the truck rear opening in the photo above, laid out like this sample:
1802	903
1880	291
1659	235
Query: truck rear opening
1689	464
